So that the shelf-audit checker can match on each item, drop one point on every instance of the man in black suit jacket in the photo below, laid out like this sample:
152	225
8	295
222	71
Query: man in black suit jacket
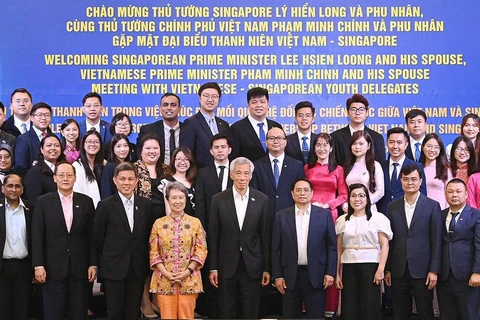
63	257
239	244
21	105
276	187
164	128
415	252
15	244
122	228
458	287
249	134
357	108
28	143
199	129
303	270
416	121
5	138
300	143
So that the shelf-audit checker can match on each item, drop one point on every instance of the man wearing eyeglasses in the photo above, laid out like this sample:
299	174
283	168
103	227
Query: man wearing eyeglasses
415	252
28	143
357	108
21	105
199	129
304	254
93	108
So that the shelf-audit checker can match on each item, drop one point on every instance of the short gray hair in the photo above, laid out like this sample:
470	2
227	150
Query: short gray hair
241	161
175	185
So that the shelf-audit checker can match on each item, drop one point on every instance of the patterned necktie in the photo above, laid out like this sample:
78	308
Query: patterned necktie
213	126
261	134
24	127
417	151
451	226
276	172
394	175
305	149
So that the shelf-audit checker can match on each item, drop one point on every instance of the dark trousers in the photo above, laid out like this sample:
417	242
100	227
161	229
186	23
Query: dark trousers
360	295
239	292
207	302
303	292
457	300
15	285
67	297
124	296
402	289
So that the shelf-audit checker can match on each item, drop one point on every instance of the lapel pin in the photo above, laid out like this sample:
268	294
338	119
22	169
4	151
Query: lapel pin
136	208
1	205
253	199
25	207
77	206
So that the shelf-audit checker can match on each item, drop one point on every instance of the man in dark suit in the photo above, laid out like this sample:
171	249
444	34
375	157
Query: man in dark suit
15	244
167	129
416	121
397	143
199	129
28	143
122	228
5	138
249	134
210	181
63	257
300	143
415	252
357	108
93	108
304	264
275	173
458	287
239	244
21	105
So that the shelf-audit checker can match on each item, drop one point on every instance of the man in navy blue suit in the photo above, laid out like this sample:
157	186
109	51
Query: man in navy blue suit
93	108
416	121
304	254
198	130
275	173
397	143
300	143
21	104
415	252
458	286
28	143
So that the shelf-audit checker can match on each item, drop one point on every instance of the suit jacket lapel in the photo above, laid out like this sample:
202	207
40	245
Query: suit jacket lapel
268	169
296	144
233	211
293	226
464	216
136	213
253	135
445	233
221	125
204	124
213	173
76	211
250	205
3	226
346	135
284	173
56	202
121	212
418	210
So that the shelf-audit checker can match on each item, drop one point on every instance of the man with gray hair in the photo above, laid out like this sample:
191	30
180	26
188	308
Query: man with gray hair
239	230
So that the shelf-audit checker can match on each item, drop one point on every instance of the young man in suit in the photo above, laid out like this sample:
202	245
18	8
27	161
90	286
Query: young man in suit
93	108
304	254
5	138
122	228
21	105
415	252
357	108
64	258
28	144
275	173
199	129
239	244
458	287
167	129
15	244
397	143
248	135
300	143
416	121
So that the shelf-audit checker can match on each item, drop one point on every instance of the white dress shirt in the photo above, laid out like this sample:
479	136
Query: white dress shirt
412	143
256	128
16	246
96	126
302	223
410	209
18	123
128	204
240	205
449	217
353	130
226	173
399	167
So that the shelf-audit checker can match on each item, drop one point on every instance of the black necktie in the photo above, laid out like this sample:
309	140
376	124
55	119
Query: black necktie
451	226
172	141
394	175
220	176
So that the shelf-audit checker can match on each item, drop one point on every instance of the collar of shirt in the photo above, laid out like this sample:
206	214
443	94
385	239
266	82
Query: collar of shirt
50	165
65	196
123	198
38	132
207	117
96	126
255	124
400	162
18	123
414	203
237	195
175	127
353	130
20	204
306	212
217	165
280	159
413	141
459	211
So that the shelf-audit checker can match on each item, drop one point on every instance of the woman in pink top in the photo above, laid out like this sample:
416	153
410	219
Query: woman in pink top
329	191
462	158
362	168
436	168
473	189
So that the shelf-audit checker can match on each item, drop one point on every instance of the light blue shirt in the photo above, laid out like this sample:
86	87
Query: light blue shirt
16	246
209	119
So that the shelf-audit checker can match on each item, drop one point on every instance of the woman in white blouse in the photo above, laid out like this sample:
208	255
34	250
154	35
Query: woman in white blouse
89	166
362	244
361	167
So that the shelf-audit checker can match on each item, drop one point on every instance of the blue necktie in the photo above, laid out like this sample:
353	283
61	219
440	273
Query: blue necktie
394	175
276	172
305	149
451	226
417	151
261	134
